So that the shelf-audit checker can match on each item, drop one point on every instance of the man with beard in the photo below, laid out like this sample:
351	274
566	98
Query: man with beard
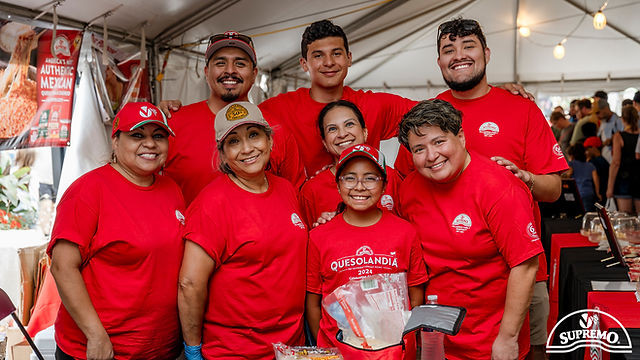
517	136
230	72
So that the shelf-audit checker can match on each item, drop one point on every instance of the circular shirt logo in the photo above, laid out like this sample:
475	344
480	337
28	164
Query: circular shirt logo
557	150
236	112
531	231
387	202
489	129
461	223
364	250
295	220
180	217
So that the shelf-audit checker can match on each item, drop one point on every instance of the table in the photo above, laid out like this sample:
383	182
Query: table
10	242
559	242
626	309
578	266
552	226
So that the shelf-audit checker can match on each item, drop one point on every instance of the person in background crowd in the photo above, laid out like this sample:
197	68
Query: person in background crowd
554	118
341	125
559	109
600	94
610	124
636	101
242	281
592	147
566	129
627	102
586	177
115	249
518	138
585	110
624	172
361	178
230	72
574	111
478	237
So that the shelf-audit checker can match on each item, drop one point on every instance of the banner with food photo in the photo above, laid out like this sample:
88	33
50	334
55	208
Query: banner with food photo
119	75
37	81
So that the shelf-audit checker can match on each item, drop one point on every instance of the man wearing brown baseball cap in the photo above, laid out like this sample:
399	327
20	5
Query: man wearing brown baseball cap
230	71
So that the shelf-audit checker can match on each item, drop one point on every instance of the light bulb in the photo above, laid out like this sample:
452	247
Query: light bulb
599	20
558	51
524	31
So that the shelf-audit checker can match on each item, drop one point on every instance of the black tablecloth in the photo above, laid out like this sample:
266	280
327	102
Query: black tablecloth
578	267
557	226
635	340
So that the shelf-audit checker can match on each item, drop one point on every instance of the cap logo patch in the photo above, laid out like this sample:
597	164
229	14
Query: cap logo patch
116	121
236	112
147	112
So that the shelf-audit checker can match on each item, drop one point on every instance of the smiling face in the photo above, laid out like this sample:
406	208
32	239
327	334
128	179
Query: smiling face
142	151
360	198
463	62
230	74
246	150
341	130
327	62
438	155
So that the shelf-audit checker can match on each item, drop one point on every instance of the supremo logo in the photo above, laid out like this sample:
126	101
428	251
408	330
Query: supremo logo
588	335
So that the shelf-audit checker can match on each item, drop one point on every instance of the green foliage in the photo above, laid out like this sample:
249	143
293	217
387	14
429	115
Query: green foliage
17	209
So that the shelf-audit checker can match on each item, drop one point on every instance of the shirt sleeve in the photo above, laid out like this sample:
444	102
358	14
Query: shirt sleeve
510	220
542	153
404	162
393	109
417	273
305	202
76	218
205	230
286	160
314	277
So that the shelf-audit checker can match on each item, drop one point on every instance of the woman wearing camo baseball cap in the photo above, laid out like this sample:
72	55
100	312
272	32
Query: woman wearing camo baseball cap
242	282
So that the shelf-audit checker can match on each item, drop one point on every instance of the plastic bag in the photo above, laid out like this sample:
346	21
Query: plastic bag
371	312
286	352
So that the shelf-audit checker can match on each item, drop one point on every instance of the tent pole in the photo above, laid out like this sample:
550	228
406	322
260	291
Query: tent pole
516	44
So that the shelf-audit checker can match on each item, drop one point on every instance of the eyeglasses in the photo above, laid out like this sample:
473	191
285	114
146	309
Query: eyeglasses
467	25
231	35
351	181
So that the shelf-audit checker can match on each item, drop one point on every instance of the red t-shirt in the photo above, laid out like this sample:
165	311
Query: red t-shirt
193	155
257	290
501	124
299	112
320	194
473	232
391	245
129	240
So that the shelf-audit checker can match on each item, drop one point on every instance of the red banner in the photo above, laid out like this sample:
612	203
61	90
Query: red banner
36	103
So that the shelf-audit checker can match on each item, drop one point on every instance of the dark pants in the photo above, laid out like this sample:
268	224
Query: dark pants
60	355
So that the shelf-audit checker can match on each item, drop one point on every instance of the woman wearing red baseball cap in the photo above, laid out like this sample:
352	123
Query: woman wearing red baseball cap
115	249
242	278
339	248
341	125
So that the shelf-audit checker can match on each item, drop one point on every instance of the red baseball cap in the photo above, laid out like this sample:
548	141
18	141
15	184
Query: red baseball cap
362	150
231	39
592	141
135	114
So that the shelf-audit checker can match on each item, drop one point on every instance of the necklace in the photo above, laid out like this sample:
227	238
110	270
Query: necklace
246	185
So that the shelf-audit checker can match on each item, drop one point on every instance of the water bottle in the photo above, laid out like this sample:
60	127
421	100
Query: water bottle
432	342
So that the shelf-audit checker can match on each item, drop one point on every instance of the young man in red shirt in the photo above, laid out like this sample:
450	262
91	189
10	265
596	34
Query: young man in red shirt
517	137
230	72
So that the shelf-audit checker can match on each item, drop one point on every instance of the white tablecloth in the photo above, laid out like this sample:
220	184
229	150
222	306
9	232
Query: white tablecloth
10	242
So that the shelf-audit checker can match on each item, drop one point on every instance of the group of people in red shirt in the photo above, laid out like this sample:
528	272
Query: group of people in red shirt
457	214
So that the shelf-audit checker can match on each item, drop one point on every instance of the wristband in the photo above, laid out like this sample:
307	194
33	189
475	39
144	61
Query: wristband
193	352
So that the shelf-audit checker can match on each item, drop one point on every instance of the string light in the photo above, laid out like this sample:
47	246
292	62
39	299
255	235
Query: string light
524	31
599	20
558	50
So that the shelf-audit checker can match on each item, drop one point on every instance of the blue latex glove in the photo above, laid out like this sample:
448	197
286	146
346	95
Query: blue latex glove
193	352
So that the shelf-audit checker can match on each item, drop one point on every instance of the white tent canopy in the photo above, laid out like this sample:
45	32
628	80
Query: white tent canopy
392	41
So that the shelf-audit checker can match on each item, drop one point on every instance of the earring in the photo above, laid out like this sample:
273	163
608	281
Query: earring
114	159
